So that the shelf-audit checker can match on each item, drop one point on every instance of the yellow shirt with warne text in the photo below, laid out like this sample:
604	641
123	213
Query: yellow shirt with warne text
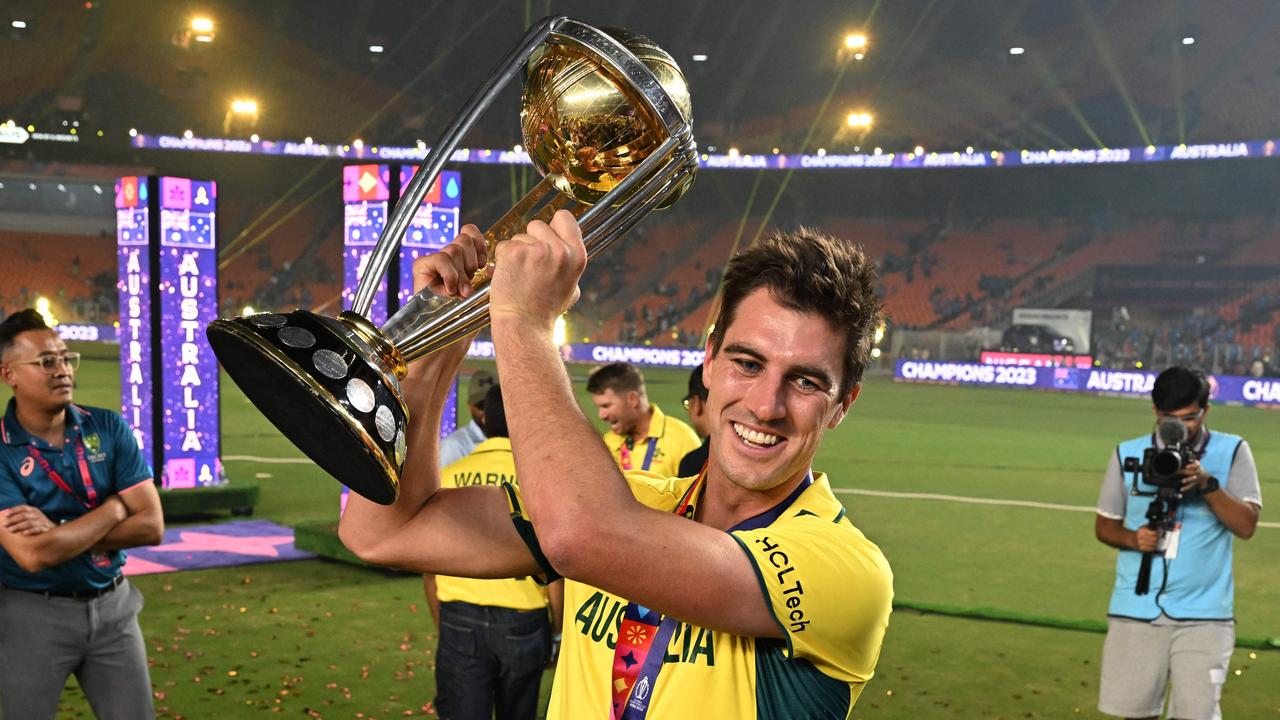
491	463
829	588
673	439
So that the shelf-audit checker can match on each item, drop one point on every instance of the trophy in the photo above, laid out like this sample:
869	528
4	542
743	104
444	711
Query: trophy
605	116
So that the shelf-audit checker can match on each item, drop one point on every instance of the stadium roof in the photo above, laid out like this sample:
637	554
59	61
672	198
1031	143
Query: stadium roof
940	74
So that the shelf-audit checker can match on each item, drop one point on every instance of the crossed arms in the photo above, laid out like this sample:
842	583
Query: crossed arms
127	519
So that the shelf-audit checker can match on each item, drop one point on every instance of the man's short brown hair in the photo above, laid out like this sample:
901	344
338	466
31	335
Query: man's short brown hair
620	377
809	272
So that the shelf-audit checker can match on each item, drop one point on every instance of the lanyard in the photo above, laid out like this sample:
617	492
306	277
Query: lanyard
644	634
624	453
89	490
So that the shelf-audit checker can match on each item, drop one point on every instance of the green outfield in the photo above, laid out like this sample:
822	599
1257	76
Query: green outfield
987	591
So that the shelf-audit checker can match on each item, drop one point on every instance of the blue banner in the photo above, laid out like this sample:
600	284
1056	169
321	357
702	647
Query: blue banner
742	161
1224	388
642	356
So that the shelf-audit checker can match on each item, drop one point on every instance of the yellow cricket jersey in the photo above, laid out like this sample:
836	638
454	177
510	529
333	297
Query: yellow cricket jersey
491	463
829	588
671	440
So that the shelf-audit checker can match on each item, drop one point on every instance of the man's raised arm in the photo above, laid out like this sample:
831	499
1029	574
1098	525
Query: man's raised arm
465	531
589	523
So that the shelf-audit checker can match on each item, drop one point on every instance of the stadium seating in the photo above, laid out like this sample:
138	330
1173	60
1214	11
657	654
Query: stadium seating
658	287
63	269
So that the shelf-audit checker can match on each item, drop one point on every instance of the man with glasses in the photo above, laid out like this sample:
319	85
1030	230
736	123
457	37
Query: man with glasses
695	405
75	491
1181	631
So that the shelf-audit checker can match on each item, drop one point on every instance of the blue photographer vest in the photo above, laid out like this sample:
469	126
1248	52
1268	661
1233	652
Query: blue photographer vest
1198	583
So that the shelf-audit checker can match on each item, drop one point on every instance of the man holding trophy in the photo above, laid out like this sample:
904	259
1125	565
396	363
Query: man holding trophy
726	595
743	592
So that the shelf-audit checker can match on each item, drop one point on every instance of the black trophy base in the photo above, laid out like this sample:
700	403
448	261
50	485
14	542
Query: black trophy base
316	381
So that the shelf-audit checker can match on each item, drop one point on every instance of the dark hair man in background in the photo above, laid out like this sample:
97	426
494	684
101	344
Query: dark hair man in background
752	576
74	492
640	435
695	404
1181	631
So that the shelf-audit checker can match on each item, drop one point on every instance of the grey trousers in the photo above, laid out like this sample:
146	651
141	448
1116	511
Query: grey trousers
44	640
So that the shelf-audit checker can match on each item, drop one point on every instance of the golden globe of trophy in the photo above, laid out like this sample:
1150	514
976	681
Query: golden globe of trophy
605	116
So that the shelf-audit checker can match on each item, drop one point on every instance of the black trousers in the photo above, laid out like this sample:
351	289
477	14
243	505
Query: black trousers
490	661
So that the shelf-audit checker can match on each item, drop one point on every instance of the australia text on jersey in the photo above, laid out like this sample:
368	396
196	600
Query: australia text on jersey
600	618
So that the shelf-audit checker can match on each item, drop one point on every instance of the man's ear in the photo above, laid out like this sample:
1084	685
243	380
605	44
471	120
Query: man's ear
846	402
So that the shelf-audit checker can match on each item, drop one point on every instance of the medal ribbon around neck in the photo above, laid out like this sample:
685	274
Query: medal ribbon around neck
624	453
644	634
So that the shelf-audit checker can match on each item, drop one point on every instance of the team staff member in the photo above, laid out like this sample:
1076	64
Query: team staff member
495	635
74	492
742	593
695	404
640	435
1182	631
455	446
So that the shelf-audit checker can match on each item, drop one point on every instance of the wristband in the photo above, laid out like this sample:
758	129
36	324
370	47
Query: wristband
1210	486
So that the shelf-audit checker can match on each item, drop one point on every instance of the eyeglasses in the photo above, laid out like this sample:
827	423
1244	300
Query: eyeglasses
1187	417
49	363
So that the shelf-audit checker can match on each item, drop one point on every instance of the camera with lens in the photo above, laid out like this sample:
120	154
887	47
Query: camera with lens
1161	468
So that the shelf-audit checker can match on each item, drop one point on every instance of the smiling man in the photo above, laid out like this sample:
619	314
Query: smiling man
640	435
743	592
74	492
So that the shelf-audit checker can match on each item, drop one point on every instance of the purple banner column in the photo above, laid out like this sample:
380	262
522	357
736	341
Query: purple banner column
434	225
134	288
366	196
188	275
366	199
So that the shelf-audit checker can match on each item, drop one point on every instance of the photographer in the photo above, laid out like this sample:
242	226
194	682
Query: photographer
1181	630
